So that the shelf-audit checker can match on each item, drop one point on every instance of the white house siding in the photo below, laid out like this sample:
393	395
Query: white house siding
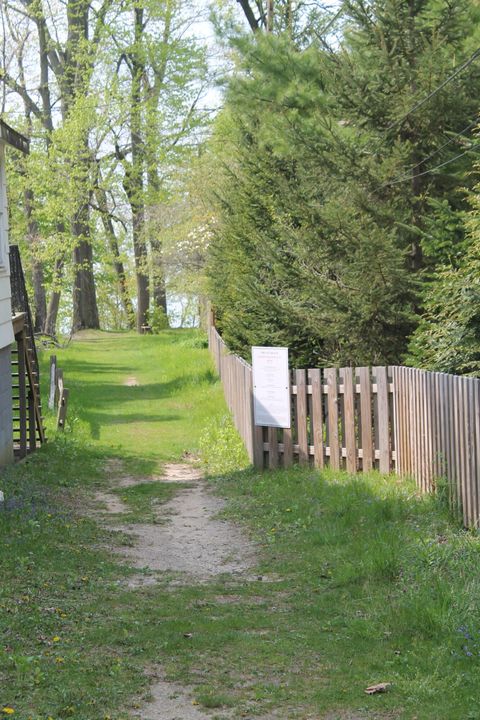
6	430
6	330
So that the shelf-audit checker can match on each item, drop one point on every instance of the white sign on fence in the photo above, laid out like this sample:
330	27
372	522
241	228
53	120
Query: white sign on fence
271	387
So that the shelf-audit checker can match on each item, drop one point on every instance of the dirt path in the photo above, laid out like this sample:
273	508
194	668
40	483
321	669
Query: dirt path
192	545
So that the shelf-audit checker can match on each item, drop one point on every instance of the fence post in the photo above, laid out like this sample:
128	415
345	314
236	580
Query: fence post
62	408
53	383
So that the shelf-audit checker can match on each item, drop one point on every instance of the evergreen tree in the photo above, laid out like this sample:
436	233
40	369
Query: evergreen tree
448	337
329	194
294	261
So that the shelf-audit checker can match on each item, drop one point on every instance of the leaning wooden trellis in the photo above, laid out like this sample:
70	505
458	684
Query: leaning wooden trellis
58	397
416	423
28	430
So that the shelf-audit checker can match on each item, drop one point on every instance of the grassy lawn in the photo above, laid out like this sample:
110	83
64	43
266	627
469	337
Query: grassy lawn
359	580
144	397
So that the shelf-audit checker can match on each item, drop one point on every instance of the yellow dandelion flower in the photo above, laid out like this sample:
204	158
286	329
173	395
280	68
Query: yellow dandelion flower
8	710
55	638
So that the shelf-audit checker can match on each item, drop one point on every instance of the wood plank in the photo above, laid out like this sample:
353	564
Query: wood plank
289	433
32	377
416	469
461	382
22	392
455	445
421	430
476	474
383	419
366	418
429	430
349	419
403	420
18	323
62	409
301	399
440	427
471	469
394	419
445	432
397	417
315	380
258	447
330	375
272	448
249	413
409	391
407	397
53	376
450	447
431	427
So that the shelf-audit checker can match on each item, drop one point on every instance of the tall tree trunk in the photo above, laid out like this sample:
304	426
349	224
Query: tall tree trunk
270	15
54	301
159	291
85	310
117	261
74	79
135	178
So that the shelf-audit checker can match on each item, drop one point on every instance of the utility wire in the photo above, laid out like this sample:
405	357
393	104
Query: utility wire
334	19
432	94
404	178
445	144
407	171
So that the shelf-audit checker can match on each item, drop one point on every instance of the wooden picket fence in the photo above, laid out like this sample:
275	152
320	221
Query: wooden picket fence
236	377
416	423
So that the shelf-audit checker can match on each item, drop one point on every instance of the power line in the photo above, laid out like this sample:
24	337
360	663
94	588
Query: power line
407	171
445	144
404	178
440	87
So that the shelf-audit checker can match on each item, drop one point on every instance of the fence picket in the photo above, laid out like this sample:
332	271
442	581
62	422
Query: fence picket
366	418
383	419
315	380
476	473
349	419
332	404
272	448
470	440
302	436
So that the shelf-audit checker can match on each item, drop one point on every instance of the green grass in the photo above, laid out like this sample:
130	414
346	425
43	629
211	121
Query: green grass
156	420
359	580
143	500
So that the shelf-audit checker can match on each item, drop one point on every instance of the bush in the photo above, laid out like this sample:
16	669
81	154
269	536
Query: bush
221	448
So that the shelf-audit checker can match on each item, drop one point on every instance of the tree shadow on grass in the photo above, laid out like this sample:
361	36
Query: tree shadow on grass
111	392
97	421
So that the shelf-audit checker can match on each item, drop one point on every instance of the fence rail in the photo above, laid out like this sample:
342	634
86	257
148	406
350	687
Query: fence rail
421	424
